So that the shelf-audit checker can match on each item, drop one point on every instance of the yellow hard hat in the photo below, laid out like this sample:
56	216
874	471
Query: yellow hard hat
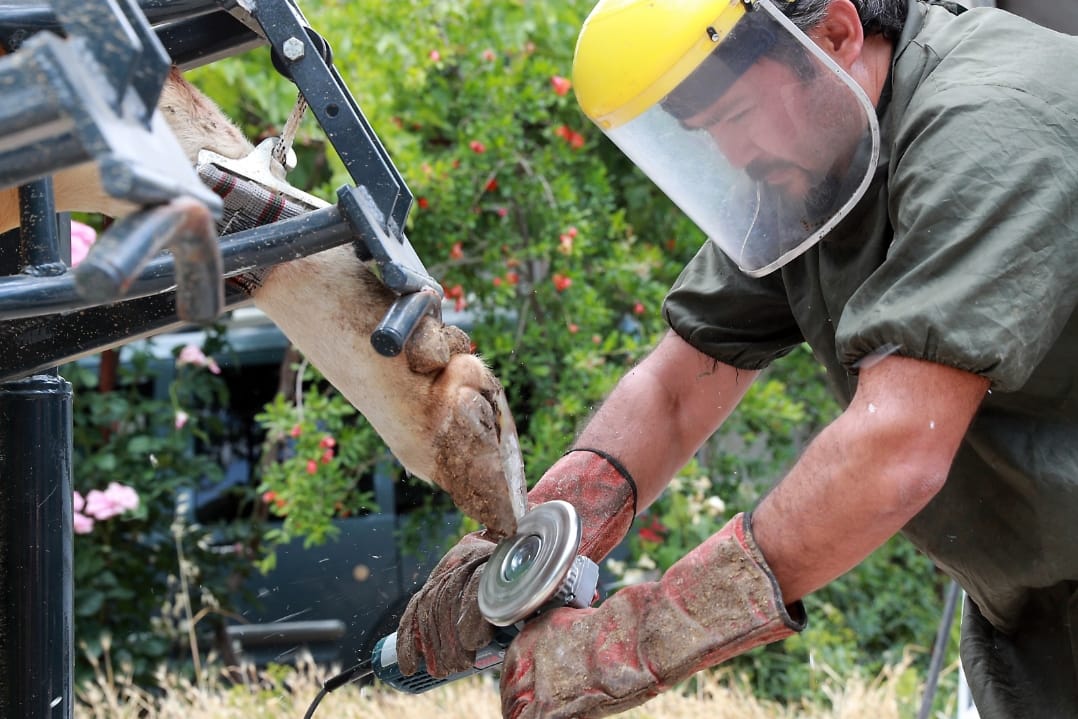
632	53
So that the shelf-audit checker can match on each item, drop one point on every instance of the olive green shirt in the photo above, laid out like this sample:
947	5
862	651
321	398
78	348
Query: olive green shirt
963	252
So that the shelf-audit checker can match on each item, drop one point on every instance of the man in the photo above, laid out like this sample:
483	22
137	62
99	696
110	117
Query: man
894	185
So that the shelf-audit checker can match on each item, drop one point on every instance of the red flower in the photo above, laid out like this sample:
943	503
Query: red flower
573	328
488	55
561	282
649	536
435	56
574	138
327	457
560	84
512	277
328	442
269	496
492	185
296	430
497	281
653	532
502	211
312	466
477	147
572	231
565	244
456	252
423	203
638	308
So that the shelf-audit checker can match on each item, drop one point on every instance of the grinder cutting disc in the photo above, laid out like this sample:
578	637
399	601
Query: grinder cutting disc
530	569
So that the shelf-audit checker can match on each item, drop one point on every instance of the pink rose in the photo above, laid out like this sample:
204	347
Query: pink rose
83	524
115	500
82	237
192	355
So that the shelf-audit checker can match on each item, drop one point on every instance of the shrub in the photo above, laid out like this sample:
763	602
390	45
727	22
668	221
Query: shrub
144	572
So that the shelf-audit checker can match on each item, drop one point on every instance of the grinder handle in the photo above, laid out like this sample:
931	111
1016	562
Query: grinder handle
384	663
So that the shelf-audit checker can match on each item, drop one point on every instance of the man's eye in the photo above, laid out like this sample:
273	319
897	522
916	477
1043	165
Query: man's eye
734	117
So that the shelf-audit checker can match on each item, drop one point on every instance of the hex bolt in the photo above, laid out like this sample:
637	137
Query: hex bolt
293	49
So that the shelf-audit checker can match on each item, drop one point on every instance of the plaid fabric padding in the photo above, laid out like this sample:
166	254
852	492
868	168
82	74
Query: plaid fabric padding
247	204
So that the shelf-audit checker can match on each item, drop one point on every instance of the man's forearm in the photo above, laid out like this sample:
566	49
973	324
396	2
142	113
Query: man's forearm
662	411
866	474
830	512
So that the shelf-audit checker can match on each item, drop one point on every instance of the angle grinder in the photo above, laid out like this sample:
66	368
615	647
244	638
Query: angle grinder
535	570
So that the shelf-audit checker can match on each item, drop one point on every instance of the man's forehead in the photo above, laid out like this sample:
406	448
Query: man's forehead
744	92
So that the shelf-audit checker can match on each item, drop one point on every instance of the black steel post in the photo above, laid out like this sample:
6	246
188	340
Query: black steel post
36	553
36	627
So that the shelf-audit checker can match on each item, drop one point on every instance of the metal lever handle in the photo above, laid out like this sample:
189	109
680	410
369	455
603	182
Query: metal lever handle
186	227
401	320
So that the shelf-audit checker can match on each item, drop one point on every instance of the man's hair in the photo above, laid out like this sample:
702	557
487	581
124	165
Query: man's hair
878	17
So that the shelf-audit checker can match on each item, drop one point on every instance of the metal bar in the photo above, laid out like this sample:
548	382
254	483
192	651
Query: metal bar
36	591
36	587
25	297
110	38
206	39
345	126
51	340
185	227
401	321
39	228
33	17
939	649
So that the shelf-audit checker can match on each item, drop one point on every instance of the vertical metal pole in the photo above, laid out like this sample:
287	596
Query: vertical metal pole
36	589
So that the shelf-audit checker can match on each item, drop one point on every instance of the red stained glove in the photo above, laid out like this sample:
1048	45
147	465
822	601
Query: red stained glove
442	624
716	602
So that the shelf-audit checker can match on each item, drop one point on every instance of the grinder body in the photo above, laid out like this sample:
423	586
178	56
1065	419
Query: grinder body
535	570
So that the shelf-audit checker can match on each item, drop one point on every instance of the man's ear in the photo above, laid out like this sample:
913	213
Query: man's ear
840	34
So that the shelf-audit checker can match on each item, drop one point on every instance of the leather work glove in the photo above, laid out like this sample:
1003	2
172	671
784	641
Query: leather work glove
716	602
442	624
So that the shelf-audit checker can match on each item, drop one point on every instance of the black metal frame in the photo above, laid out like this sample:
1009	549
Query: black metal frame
58	114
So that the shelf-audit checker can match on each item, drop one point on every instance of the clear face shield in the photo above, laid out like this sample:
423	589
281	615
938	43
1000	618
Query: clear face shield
766	144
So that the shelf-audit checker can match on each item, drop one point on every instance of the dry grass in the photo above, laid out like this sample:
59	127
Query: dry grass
287	696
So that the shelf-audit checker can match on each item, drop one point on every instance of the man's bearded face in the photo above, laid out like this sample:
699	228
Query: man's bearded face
791	133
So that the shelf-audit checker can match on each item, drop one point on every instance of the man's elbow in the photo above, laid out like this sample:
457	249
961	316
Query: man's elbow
910	466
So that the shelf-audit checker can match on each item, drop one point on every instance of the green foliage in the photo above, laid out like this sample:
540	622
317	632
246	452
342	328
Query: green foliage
315	453
129	569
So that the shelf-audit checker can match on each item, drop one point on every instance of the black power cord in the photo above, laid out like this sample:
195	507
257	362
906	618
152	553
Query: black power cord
352	674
